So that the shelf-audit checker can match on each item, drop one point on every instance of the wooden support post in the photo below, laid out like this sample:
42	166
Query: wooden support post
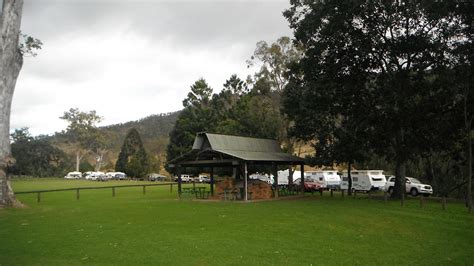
302	178
245	182
38	198
331	193
385	196
275	178
321	192
179	180
77	194
144	190
355	194
113	191
211	181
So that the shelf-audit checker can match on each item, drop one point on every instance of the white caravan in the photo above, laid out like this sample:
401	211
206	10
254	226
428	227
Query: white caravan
364	180
260	176
284	175
73	175
327	179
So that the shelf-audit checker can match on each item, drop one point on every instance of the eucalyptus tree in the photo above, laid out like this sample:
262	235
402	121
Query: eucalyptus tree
274	60
82	133
11	61
394	52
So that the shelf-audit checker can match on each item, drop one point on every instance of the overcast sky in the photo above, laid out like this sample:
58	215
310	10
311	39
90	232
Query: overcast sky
131	59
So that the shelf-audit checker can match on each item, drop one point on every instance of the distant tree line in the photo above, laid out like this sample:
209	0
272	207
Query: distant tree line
85	147
35	156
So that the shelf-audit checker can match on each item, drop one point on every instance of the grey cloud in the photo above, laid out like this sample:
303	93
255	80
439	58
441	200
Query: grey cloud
189	24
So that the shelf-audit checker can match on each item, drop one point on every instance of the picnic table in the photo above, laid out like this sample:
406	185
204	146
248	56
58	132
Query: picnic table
198	192
234	194
227	194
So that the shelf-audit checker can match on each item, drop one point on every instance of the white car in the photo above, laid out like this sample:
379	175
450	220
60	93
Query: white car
73	175
413	186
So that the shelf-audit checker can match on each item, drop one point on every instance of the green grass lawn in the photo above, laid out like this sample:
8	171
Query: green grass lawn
157	228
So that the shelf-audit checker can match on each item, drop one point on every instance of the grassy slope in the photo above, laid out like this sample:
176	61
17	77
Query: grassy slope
158	229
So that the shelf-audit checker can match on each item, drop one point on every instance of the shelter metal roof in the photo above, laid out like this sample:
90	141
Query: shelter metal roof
206	146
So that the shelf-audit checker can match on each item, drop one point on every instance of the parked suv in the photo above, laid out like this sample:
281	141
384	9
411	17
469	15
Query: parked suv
413	186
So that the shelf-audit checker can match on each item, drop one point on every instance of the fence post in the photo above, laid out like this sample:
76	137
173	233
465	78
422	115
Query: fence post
342	192
144	190
331	193
443	203
385	197
171	188
77	194
355	194
113	191
321	192
38	197
421	201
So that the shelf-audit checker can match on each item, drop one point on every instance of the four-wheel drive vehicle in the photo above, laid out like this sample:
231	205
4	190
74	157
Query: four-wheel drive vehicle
184	178
310	184
157	177
203	179
413	186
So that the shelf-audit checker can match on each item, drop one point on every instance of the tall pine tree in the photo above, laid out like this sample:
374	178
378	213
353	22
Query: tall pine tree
133	159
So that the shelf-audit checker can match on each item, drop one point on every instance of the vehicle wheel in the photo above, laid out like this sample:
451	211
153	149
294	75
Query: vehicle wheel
414	192
390	190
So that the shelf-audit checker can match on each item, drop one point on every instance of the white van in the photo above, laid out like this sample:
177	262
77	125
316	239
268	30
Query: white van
364	180
327	179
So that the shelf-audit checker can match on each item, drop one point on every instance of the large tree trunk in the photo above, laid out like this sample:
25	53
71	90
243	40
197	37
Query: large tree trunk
11	61
469	172
399	189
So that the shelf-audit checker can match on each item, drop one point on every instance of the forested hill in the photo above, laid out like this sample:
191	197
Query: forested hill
154	131
150	127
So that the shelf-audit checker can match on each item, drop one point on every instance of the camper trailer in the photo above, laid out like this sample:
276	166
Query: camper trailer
364	180
284	176
261	176
327	179
73	175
